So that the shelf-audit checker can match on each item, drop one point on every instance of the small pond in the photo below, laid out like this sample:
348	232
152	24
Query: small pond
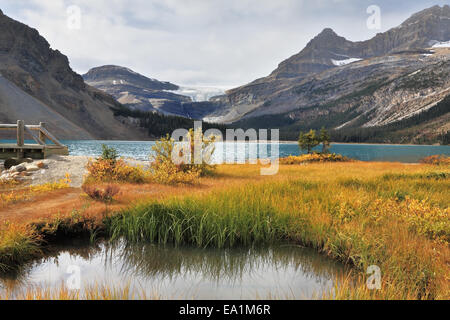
278	272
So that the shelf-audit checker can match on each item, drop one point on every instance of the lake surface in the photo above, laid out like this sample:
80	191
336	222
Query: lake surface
141	150
364	152
279	272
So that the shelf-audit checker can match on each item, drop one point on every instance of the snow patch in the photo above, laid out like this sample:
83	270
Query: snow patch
414	73
199	94
442	44
212	119
340	63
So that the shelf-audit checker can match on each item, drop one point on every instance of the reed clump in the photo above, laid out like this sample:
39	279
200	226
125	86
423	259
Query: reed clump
18	243
221	220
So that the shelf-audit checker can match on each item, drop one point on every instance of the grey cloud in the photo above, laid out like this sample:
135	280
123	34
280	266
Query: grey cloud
199	42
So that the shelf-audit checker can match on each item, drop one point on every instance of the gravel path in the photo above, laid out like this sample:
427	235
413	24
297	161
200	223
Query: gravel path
58	166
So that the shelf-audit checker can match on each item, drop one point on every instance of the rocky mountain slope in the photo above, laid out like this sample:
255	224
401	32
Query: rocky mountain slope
138	92
37	84
339	83
135	90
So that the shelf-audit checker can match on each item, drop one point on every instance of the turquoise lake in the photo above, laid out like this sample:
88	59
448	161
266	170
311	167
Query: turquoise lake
366	152
141	150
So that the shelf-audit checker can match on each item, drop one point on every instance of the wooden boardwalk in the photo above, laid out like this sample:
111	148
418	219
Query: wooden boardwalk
38	150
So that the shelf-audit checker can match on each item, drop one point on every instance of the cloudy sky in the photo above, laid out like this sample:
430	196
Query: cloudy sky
222	43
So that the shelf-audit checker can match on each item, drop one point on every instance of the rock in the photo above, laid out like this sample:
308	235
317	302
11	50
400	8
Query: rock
32	168
18	168
10	163
41	165
5	176
22	179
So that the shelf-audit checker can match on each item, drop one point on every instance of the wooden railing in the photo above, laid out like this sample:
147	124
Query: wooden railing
40	138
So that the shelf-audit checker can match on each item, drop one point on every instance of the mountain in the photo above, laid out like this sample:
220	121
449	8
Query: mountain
37	84
422	30
135	90
394	87
341	84
140	93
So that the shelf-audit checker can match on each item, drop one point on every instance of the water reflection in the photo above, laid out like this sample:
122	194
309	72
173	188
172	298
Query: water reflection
185	272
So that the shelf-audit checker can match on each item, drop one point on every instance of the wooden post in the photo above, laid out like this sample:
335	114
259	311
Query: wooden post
20	133
41	134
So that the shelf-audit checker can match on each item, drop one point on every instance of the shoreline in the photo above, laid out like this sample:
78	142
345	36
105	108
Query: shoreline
278	141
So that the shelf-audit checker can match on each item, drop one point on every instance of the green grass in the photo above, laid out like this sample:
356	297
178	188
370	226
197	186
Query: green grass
219	220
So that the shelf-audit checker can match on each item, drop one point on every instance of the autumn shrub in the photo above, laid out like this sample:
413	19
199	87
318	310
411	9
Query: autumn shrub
105	194
107	170
314	157
165	170
438	160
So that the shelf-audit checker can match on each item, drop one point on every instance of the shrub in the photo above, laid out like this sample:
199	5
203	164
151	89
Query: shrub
314	157
106	194
438	160
164	170
107	170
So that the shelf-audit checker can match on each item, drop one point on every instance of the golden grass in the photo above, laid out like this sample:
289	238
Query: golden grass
387	214
18	243
24	194
94	292
390	215
314	157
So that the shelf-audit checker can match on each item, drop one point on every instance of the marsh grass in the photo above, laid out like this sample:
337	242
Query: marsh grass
390	220
223	220
390	215
18	243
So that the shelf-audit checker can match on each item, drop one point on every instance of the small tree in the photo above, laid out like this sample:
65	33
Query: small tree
109	153
325	138
307	141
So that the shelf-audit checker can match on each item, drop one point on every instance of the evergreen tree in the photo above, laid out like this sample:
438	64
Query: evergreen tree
307	141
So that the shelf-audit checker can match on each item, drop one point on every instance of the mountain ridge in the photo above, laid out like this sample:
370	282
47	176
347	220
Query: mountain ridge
41	78
382	79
